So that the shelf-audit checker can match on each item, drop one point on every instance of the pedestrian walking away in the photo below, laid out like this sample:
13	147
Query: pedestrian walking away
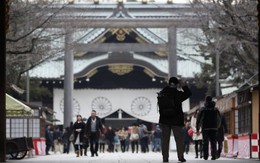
171	115
209	120
222	130
187	138
197	136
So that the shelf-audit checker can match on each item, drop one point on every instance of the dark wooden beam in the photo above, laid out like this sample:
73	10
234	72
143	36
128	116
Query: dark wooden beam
84	22
2	82
121	47
159	8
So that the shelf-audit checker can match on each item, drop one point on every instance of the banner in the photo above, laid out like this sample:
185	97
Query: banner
139	103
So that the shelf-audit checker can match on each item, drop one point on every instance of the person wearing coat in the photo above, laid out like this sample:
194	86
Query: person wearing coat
174	123
186	137
110	134
209	120
157	136
57	140
122	136
221	134
134	137
197	136
49	138
65	140
93	128
79	131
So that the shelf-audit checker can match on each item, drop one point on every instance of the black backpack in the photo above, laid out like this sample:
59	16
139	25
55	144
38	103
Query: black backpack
210	118
166	104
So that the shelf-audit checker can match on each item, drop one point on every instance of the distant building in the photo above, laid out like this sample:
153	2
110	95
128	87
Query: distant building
112	82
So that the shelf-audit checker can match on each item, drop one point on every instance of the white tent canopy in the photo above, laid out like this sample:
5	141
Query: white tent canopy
15	107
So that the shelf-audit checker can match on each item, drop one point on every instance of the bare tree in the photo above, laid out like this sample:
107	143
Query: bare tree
29	41
231	32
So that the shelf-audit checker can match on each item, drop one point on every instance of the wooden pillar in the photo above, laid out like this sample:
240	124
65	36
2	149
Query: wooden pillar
2	83
68	80
172	51
232	121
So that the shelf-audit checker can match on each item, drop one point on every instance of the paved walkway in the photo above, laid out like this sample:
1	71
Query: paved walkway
127	157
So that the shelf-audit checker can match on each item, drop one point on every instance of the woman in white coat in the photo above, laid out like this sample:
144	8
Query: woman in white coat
197	137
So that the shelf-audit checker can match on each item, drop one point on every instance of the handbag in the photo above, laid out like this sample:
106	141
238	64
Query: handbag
190	132
71	138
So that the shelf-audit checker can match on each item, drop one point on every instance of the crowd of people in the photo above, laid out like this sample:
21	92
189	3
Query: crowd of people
92	133
206	126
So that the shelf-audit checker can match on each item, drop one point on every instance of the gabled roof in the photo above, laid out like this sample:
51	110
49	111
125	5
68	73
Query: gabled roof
55	69
187	66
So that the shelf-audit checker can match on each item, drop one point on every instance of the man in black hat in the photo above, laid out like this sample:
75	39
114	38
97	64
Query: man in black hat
172	117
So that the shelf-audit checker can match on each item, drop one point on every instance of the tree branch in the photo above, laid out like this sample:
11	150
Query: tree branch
25	51
37	27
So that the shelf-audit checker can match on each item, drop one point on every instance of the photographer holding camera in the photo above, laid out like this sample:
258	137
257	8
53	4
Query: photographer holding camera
172	117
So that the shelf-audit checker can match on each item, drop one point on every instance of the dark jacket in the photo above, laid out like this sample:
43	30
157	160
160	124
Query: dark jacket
157	133
65	137
208	117
179	96
186	136
110	134
80	134
57	135
222	130
98	126
49	136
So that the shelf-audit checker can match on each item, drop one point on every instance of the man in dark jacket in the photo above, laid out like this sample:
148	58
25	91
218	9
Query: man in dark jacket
65	140
173	118
221	134
209	120
94	126
49	138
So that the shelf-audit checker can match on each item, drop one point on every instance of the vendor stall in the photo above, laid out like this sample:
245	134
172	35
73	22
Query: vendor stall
18	140
27	121
18	116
